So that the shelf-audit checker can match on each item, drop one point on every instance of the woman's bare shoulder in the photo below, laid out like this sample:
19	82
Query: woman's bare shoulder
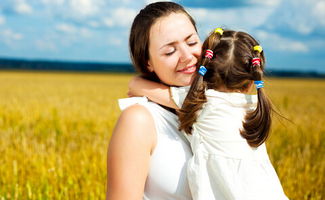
130	147
136	124
136	114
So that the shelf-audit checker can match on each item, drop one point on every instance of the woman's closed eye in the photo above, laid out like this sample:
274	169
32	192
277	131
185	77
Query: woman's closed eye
170	52
192	43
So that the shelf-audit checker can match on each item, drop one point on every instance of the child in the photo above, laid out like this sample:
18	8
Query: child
225	125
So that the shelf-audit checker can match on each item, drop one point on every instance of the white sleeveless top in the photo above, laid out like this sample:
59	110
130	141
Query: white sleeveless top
167	177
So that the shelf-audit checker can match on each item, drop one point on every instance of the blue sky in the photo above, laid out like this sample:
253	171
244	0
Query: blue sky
292	32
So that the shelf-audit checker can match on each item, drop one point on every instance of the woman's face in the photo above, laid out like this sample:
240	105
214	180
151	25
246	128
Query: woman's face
174	49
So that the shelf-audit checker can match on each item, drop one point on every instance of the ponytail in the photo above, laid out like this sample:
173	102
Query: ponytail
193	103
195	98
257	123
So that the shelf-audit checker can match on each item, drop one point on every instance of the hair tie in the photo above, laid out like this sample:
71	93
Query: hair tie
208	53
259	84
256	62
218	30
202	70
258	48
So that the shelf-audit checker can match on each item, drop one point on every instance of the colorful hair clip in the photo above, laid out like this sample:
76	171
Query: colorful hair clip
256	61
218	30
259	84
202	70
258	48
208	53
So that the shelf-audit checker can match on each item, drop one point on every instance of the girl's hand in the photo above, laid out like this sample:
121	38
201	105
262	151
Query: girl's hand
154	91
137	85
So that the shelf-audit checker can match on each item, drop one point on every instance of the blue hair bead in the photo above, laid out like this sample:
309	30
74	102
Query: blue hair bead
259	84
202	70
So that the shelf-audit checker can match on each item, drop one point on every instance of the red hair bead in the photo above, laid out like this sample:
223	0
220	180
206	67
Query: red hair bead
256	61
208	54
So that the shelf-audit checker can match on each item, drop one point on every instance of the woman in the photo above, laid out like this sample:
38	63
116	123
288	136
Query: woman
147	156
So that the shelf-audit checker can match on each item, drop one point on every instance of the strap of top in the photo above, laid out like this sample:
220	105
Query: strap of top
126	102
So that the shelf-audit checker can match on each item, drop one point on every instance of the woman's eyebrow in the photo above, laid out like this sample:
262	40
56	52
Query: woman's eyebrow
174	42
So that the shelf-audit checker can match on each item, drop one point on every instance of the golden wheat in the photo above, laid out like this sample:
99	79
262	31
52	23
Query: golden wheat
55	129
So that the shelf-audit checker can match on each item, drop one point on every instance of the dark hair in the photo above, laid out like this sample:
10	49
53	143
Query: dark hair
232	68
140	32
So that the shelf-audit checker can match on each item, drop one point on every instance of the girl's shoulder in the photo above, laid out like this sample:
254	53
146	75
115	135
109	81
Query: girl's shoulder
232	98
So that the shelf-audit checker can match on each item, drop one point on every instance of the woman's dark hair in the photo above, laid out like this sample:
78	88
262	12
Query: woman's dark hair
231	68
140	32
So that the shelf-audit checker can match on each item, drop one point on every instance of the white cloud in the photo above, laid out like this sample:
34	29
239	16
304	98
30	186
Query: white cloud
124	16
22	7
66	28
153	1
10	38
114	41
319	12
235	18
121	17
300	16
107	21
84	32
278	43
73	30
93	24
121	2
10	35
266	2
74	9
45	45
53	2
86	8
2	20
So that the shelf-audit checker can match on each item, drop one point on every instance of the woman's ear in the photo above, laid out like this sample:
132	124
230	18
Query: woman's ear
149	66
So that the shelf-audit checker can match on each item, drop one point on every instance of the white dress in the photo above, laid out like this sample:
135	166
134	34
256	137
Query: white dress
167	178
224	166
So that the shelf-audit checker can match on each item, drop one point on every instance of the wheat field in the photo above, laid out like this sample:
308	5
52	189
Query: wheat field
55	130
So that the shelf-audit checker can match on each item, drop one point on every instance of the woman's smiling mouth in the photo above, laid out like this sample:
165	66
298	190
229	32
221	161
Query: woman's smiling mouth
188	70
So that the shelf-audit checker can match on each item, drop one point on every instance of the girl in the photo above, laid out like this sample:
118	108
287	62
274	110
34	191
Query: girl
225	125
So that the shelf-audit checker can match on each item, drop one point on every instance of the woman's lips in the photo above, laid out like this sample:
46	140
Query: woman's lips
188	70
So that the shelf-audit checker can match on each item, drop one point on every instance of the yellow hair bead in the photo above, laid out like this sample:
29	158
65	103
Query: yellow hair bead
258	48
218	30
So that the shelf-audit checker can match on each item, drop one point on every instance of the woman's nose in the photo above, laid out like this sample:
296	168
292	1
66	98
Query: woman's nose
186	54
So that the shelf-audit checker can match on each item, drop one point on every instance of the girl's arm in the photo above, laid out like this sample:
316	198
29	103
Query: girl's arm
131	145
156	92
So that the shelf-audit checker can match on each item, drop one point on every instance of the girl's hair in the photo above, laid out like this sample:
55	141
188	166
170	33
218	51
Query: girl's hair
230	68
140	33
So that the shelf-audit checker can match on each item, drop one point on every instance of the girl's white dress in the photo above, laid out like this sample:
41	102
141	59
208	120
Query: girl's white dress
224	166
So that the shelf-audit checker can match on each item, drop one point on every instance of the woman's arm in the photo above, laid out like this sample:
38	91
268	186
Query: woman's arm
156	92
131	145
